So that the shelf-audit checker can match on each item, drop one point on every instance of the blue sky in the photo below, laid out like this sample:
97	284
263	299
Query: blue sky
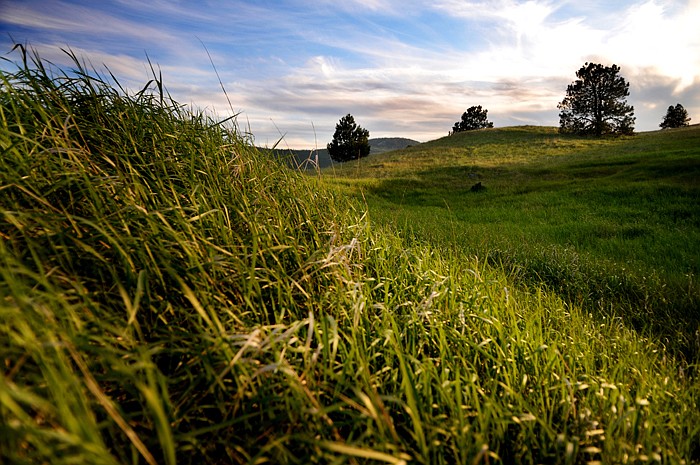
403	68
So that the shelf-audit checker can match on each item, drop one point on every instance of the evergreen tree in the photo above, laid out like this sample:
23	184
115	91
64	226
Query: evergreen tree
350	141
676	117
474	118
596	103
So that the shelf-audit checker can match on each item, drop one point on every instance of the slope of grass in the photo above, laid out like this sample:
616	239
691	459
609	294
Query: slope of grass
169	295
612	224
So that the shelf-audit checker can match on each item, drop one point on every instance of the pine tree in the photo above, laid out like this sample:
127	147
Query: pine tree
474	118
596	103
350	141
676	117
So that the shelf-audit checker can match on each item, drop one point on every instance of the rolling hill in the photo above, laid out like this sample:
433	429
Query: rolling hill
304	158
612	222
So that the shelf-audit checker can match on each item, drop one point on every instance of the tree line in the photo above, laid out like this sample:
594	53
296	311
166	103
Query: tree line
595	105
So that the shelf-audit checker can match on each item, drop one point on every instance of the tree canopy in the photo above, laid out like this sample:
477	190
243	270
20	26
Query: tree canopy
474	118
595	104
676	117
350	141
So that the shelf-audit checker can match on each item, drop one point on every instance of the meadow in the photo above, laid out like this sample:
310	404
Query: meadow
611	224
171	294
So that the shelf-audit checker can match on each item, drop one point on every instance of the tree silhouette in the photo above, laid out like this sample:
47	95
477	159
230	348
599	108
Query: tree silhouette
676	117
350	141
474	118
596	103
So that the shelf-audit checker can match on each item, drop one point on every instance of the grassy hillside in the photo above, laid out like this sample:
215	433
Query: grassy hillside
610	224
168	295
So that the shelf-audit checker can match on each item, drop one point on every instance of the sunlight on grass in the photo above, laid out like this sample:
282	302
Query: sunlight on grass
622	212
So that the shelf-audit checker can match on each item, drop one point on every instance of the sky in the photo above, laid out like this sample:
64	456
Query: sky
291	69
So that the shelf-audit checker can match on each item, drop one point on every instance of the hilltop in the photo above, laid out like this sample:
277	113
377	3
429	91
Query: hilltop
520	145
386	144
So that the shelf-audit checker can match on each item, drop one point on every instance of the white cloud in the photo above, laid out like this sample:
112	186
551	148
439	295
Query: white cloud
64	16
652	37
131	72
403	69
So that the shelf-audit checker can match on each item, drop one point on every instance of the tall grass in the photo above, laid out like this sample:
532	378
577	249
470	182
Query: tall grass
168	294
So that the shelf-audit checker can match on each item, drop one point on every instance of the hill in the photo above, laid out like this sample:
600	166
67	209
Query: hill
307	159
386	144
606	222
168	294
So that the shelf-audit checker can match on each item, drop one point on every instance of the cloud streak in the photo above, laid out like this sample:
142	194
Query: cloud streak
402	68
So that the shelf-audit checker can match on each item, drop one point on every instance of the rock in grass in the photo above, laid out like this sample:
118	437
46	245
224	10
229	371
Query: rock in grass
478	187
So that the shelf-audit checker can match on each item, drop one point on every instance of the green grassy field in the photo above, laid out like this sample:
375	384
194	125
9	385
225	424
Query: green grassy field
169	294
612	224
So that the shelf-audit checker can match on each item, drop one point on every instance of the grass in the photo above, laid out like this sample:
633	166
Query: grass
610	224
168	294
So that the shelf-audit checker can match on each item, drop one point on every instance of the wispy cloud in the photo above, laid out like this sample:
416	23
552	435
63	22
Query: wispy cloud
402	67
85	24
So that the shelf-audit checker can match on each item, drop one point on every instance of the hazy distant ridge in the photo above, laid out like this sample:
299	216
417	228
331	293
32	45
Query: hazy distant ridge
378	145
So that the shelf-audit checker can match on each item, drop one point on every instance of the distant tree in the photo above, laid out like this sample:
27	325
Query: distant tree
473	118
350	141
596	103
676	117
